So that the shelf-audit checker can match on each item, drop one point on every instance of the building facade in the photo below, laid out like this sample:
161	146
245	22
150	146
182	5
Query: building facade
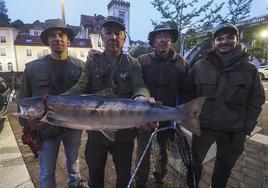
8	35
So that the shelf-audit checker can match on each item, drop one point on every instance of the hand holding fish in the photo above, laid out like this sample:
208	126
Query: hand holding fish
35	123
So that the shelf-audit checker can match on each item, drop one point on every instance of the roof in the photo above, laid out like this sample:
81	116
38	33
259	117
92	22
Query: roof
4	24
27	40
94	23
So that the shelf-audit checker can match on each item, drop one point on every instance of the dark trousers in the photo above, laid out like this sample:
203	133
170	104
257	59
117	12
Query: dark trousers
96	155
230	146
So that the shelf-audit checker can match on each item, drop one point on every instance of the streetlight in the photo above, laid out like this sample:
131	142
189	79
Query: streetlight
62	11
264	34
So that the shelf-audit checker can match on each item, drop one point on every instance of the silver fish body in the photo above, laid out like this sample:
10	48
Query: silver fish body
93	112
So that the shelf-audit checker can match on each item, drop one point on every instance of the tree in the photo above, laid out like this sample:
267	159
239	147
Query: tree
197	17
17	23
3	12
238	10
140	51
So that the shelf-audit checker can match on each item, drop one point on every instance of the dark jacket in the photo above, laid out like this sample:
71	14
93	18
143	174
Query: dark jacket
124	77
167	79
39	79
233	89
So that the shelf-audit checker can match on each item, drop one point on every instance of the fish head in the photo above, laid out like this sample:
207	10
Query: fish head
33	107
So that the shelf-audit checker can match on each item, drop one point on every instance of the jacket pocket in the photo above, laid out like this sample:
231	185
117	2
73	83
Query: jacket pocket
237	89
97	80
122	83
205	82
42	81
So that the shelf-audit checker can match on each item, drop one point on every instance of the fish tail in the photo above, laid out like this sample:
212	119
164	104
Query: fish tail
191	112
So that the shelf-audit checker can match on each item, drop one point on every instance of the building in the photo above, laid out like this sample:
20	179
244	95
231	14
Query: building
120	8
29	47
91	28
8	35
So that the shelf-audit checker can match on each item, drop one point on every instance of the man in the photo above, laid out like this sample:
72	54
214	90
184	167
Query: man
116	70
234	95
166	75
53	75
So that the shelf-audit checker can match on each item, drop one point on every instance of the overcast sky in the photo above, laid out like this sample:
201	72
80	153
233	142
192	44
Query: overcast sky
141	12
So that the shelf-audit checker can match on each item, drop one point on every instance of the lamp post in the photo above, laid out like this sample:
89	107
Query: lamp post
62	11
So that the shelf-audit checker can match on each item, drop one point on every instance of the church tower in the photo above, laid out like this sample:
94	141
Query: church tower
120	8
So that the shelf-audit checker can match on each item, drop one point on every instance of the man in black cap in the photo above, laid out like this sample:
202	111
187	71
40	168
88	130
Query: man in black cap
234	95
166	75
121	72
53	75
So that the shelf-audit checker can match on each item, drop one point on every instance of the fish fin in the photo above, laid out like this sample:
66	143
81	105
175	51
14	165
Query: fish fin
192	111
109	134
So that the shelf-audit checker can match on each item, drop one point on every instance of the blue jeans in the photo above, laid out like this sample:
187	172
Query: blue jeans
48	158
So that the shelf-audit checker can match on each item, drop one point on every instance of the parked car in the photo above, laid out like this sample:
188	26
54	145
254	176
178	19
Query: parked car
263	72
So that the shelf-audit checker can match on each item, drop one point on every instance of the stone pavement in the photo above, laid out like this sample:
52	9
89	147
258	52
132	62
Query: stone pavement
13	171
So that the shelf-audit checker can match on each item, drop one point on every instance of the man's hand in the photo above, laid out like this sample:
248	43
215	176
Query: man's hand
35	124
151	125
150	100
93	54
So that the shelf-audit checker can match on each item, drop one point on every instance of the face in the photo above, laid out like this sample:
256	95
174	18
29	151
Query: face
113	38
58	41
225	43
162	41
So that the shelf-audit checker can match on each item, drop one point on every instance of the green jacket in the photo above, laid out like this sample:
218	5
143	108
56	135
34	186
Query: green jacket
125	79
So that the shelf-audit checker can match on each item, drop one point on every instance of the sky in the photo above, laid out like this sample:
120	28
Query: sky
141	12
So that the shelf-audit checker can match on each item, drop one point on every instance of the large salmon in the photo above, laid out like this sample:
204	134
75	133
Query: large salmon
94	112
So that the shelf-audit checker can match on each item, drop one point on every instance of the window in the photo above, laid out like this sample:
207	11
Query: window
9	66
2	39
1	68
82	54
2	52
36	33
121	14
29	52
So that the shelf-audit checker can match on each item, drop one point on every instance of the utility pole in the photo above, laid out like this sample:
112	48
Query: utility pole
62	11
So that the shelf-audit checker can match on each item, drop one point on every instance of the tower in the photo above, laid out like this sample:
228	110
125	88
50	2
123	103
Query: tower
120	8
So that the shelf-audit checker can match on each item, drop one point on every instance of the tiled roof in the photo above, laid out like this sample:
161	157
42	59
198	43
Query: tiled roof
94	23
4	24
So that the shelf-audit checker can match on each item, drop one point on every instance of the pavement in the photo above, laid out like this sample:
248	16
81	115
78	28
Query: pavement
13	170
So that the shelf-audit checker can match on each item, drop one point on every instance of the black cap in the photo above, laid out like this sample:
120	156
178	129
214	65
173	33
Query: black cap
163	27
59	25
225	28
114	20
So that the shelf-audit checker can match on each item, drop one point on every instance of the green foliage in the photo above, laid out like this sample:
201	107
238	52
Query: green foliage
238	10
198	17
3	12
141	50
17	23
